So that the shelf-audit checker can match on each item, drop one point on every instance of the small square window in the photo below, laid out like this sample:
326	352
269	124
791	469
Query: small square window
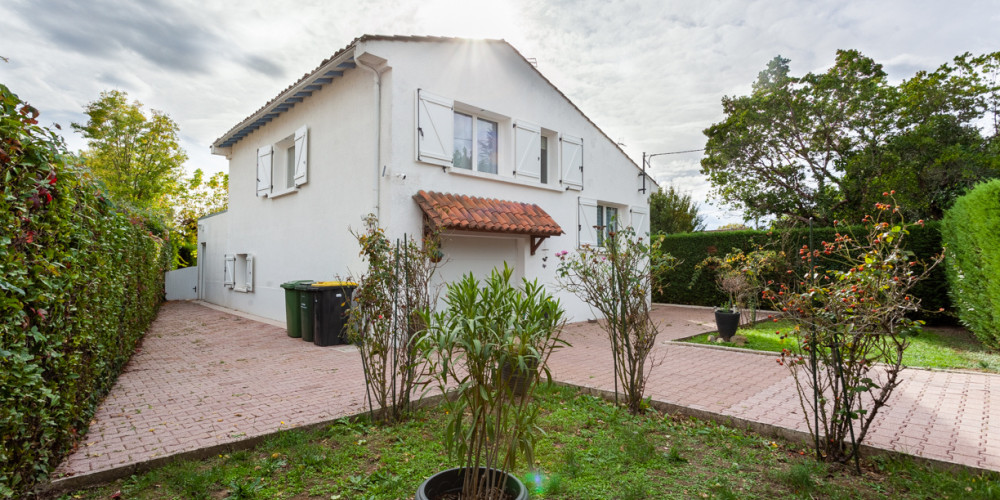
607	221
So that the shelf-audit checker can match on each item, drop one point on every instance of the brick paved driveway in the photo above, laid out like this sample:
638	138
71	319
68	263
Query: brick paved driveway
206	378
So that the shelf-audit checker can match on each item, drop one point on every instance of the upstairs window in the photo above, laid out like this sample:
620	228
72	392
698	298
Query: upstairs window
476	142
284	165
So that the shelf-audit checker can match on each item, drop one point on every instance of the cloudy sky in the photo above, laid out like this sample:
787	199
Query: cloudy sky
650	73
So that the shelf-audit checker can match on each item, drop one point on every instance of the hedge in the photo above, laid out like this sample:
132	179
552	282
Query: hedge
971	230
80	281
692	248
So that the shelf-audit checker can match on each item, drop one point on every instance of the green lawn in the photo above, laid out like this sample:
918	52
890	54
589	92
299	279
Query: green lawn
590	450
934	347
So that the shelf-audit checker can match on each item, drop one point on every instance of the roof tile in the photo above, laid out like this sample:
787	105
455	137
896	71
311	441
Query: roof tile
450	211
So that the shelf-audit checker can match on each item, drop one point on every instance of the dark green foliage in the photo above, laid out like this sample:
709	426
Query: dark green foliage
671	211
692	248
79	283
971	230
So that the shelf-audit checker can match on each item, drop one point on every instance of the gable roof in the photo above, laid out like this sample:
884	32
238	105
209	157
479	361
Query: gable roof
333	67
471	213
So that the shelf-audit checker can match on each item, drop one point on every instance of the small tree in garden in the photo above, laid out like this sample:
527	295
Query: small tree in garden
617	279
851	329
742	276
493	341
384	318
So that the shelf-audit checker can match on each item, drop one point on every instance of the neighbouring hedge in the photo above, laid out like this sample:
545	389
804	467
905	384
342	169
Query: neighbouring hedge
971	230
692	248
80	281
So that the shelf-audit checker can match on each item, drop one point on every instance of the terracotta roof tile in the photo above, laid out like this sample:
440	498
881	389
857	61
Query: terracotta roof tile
452	211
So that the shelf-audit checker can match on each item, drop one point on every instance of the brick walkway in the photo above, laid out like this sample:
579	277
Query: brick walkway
206	379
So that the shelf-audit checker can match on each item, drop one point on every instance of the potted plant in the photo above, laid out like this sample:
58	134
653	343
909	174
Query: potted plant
491	342
727	317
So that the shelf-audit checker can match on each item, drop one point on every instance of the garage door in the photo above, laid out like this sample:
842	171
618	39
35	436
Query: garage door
479	255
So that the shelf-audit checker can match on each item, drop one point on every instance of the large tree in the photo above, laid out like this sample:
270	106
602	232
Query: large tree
195	197
827	145
671	211
136	156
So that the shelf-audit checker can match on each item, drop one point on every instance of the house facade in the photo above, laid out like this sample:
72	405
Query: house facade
462	136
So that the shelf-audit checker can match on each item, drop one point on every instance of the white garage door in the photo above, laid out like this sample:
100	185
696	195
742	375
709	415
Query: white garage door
479	255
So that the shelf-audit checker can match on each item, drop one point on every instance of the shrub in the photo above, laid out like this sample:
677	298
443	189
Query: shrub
692	248
80	281
971	232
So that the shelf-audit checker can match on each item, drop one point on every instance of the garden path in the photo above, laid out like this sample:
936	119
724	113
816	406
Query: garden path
944	415
208	380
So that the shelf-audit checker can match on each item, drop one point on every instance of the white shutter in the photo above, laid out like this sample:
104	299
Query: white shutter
249	275
229	278
527	150
264	160
301	156
640	222
571	161
588	219
435	129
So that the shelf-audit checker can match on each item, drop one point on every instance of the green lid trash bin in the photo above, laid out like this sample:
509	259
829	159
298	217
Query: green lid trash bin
292	318
332	302
307	314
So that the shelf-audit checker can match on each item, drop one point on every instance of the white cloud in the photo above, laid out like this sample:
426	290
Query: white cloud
649	73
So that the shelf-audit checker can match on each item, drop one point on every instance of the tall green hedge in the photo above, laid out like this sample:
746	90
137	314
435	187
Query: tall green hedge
971	230
80	281
692	248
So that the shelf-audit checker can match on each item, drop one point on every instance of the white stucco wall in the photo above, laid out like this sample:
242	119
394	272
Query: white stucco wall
305	235
181	284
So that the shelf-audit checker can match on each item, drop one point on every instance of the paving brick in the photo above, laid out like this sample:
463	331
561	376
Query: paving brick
205	377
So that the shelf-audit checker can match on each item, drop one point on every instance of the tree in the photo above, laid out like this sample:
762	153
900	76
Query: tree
137	157
195	197
671	211
827	145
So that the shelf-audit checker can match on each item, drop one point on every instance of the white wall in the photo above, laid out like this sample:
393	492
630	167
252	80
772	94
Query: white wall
181	284
305	235
493	77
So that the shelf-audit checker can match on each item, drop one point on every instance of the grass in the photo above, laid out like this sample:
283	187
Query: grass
589	450
934	347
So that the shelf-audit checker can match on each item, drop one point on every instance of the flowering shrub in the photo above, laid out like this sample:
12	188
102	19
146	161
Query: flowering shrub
617	280
384	319
742	276
852	327
80	281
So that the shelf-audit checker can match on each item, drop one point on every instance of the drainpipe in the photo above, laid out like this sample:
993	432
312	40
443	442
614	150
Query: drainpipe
378	134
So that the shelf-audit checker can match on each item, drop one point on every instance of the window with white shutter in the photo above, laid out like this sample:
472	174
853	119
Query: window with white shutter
527	150
264	160
587	222
640	221
571	161
229	271
435	129
301	156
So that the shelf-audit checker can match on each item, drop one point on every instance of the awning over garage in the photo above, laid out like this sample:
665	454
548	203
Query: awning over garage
444	211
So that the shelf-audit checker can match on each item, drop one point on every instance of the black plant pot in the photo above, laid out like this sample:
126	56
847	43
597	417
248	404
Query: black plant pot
727	323
450	482
517	379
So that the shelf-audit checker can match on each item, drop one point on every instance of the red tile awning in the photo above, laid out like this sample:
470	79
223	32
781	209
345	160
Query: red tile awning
469	213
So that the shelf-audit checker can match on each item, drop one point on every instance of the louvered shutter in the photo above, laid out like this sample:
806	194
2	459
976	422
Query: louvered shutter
640	222
435	129
588	219
249	275
527	150
264	160
571	161
229	277
301	156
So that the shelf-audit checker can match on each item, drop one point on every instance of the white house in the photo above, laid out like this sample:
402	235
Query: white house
464	135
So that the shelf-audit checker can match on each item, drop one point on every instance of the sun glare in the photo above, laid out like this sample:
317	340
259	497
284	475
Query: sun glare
469	18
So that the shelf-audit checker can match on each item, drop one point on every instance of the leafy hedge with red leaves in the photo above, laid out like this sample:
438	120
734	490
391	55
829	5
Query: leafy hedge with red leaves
80	281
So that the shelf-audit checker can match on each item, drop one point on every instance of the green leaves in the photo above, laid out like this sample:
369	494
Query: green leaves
61	349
